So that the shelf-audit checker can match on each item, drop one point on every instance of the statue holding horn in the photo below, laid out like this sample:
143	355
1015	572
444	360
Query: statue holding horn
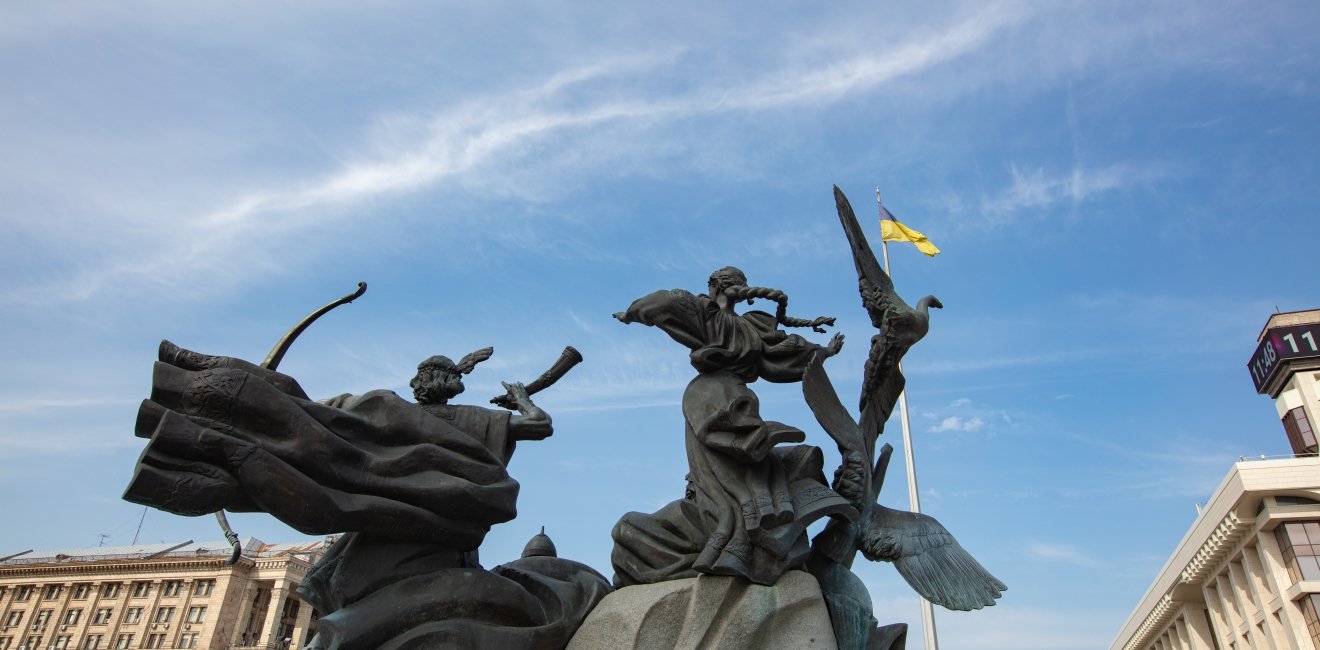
415	487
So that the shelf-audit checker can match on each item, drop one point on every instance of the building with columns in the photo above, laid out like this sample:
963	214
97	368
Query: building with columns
157	596
1247	573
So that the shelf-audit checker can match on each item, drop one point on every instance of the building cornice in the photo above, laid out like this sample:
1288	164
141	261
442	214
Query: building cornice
120	567
1212	553
1217	547
1155	621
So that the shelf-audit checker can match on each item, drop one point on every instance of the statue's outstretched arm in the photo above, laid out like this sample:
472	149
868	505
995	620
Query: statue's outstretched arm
531	422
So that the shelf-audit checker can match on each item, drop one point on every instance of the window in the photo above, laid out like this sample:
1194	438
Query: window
196	614
203	587
33	642
155	641
188	640
82	590
42	617
72	616
62	642
2	595
1300	543
4	642
1309	603
172	588
53	591
23	593
14	618
110	590
141	589
132	615
123	641
92	642
103	616
1300	435
164	614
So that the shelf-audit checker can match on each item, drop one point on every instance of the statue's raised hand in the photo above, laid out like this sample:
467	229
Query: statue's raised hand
518	393
835	344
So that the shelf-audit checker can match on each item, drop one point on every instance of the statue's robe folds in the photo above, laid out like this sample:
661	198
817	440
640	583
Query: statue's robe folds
416	493
748	501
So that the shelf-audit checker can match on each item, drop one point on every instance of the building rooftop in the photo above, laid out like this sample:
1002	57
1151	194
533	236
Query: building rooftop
1286	318
252	547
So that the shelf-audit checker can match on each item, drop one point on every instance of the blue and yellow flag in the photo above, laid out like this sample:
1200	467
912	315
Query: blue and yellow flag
892	230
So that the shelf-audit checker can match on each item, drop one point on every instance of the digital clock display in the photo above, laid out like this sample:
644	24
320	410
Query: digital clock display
1281	344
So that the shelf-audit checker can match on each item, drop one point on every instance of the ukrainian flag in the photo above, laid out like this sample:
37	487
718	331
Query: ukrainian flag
892	230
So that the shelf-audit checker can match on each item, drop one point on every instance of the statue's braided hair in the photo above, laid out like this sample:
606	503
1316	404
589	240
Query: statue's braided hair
781	300
733	282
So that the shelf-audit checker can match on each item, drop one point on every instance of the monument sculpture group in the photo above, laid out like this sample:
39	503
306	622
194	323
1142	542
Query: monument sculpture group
414	486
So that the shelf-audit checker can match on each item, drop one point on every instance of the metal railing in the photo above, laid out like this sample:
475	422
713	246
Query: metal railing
1244	459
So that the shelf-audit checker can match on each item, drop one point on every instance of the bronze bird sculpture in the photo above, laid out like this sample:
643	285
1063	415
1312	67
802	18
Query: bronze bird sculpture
924	552
900	326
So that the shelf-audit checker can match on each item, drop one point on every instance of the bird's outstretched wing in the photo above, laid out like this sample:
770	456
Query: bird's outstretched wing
882	381
471	359
829	411
929	558
863	257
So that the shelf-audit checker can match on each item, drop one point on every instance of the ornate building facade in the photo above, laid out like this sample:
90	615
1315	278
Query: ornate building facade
157	596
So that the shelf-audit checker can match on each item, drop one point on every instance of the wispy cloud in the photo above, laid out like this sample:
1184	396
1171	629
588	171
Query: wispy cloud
864	72
456	144
1037	188
1199	126
963	416
1178	468
943	367
1007	626
67	443
956	423
39	404
1061	553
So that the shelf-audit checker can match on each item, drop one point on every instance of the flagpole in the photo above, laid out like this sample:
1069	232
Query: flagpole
914	498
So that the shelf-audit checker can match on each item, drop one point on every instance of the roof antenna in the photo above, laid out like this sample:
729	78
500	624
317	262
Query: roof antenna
139	528
103	536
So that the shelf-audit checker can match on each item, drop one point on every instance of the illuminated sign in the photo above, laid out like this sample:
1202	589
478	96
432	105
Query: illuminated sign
1282	344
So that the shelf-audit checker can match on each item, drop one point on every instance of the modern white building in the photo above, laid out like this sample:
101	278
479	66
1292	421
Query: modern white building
1247	574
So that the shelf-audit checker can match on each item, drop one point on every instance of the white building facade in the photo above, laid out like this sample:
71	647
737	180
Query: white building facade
1247	574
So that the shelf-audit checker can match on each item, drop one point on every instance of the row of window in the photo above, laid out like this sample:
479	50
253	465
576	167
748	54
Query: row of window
141	589
103	615
94	641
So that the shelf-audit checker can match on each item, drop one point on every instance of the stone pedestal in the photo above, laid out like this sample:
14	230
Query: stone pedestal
711	612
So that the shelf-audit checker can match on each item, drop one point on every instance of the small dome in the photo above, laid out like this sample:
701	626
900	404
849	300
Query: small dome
540	546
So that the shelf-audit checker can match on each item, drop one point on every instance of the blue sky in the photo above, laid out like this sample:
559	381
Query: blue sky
1123	193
